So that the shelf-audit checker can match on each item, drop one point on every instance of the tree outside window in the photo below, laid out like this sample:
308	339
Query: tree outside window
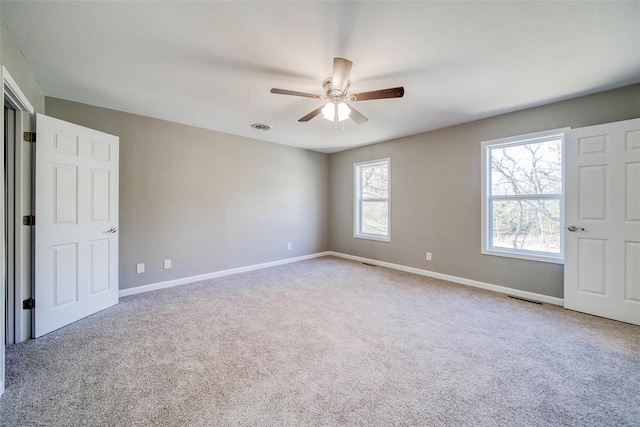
372	200
523	195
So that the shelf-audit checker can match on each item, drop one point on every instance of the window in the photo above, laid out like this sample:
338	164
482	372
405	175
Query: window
522	192
372	200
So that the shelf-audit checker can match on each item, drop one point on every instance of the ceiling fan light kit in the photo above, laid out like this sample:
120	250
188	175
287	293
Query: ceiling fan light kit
330	111
336	92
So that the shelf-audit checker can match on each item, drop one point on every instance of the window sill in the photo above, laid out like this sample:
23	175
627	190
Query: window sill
524	256
372	237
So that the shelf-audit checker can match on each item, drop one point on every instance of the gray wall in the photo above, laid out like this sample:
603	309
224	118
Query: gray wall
435	193
212	201
208	201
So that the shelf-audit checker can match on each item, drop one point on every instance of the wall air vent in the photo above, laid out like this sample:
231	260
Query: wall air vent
261	126
525	300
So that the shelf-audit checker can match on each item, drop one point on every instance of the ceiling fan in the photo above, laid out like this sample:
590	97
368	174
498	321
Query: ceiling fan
336	92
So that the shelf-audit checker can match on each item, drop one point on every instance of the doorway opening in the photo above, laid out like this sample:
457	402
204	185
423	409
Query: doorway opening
9	200
17	203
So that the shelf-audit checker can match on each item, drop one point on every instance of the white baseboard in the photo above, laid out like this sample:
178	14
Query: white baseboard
192	279
461	280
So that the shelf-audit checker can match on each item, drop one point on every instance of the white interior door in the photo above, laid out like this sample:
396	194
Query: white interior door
76	265
602	241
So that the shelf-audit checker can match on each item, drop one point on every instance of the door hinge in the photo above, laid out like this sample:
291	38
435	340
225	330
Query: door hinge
29	136
29	304
29	220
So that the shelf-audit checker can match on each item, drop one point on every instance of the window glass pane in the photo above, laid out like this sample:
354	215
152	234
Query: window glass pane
532	225
375	218
527	169
375	181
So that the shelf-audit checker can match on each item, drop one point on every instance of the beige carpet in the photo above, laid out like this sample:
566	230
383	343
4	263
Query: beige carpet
327	342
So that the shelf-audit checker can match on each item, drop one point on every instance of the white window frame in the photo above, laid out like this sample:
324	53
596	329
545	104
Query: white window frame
487	226
357	199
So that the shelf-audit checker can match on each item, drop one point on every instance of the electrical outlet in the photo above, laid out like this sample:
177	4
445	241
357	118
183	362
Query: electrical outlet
167	264
428	256
139	268
289	246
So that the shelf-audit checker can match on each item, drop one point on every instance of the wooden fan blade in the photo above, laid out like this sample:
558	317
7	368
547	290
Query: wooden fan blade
312	114
341	71
294	93
395	92
357	116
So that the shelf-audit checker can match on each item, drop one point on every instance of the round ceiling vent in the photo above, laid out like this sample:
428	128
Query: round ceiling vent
261	126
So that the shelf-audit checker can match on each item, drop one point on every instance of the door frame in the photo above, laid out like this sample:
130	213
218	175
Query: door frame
25	113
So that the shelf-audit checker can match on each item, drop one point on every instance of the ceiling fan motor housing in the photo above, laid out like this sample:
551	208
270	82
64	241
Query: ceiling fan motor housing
335	95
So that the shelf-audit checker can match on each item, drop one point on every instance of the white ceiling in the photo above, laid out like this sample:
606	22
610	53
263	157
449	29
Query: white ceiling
212	64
